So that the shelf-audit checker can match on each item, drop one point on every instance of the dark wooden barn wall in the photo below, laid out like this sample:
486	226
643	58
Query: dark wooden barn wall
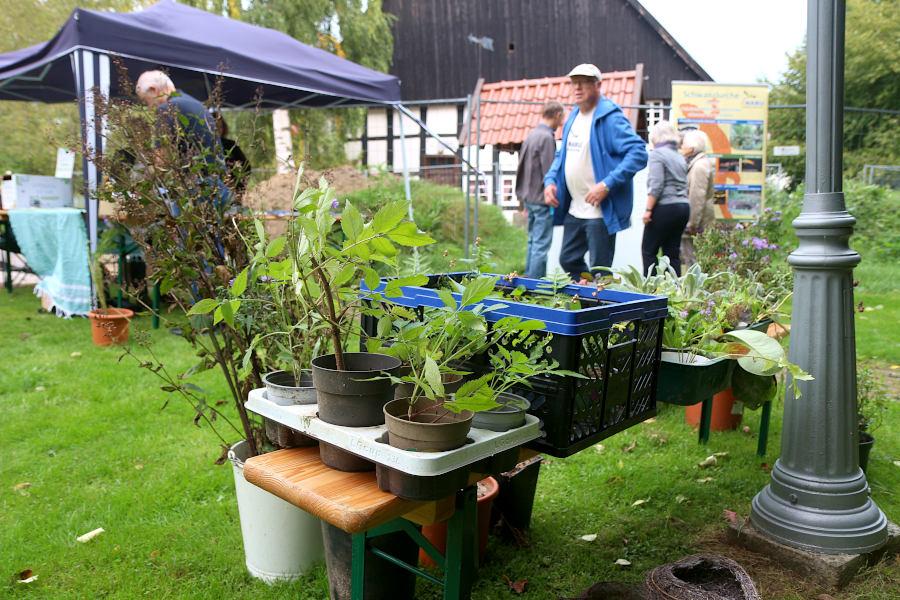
532	38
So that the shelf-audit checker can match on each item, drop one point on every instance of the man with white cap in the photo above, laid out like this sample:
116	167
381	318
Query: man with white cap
590	180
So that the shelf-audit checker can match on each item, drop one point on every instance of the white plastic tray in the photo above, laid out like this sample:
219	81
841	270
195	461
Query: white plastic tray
363	441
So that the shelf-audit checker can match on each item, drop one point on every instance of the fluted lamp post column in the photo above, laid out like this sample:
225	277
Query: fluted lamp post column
818	498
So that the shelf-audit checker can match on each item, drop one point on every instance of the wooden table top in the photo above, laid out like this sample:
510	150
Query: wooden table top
350	501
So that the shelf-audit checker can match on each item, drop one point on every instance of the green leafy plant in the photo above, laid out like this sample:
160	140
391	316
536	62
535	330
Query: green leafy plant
871	399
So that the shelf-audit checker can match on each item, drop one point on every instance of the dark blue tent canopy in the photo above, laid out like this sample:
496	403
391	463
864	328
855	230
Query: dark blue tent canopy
194	46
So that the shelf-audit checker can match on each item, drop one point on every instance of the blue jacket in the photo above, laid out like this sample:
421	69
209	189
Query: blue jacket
617	153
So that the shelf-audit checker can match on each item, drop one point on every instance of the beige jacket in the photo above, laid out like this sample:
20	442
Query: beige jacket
700	176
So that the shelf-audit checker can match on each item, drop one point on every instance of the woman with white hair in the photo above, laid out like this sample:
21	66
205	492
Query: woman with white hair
700	176
668	208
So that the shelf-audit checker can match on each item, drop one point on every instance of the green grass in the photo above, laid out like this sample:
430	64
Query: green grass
89	435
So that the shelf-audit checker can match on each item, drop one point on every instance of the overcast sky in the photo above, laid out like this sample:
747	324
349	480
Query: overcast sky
736	41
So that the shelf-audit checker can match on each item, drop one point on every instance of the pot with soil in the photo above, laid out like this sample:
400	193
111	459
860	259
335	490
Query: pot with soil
354	396
866	441
486	490
425	426
509	415
450	382
110	325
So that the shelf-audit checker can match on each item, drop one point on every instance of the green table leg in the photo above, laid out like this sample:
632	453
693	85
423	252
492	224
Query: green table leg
358	567
764	429
705	420
121	276
462	549
7	231
154	305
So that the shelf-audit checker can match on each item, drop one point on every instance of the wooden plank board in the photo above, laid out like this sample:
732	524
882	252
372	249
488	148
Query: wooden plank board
349	501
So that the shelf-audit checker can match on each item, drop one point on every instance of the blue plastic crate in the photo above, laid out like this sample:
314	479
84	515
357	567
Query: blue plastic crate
621	364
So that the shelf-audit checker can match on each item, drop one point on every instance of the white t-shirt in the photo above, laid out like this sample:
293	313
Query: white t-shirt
579	170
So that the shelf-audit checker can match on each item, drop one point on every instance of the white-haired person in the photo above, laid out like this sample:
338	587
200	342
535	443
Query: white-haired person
668	207
190	122
701	173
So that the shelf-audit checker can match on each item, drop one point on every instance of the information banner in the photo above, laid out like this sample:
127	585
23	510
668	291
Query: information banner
734	119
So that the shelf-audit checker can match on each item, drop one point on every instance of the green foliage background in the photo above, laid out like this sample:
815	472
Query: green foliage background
358	30
870	81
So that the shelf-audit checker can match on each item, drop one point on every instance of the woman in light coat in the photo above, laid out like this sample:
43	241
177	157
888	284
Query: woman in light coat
700	176
668	208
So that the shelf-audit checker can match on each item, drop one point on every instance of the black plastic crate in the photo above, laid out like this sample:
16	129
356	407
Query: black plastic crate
617	348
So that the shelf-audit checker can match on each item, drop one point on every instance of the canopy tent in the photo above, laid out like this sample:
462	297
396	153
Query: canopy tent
195	47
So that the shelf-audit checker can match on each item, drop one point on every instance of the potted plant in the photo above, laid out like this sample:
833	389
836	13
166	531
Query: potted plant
108	325
432	418
871	405
197	253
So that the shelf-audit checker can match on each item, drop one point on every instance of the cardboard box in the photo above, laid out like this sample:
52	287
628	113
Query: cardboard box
35	191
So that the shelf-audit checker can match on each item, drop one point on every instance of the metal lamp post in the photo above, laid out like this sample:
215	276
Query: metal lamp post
818	498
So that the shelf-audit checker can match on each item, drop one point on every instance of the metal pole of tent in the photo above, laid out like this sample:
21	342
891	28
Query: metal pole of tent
477	161
405	167
468	151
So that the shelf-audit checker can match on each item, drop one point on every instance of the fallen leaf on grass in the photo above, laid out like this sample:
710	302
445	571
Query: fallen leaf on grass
623	563
705	479
138	466
651	420
26	576
895	367
765	467
897	463
589	537
40	388
614	480
599	448
22	486
679	499
154	555
709	461
745	429
730	516
630	446
89	535
640	502
720	454
517	586
24	336
75	354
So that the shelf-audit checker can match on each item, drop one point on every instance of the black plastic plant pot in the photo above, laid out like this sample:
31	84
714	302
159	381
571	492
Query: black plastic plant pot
283	436
431	428
509	415
866	442
283	389
352	397
336	458
686	379
418	487
382	578
405	390
516	500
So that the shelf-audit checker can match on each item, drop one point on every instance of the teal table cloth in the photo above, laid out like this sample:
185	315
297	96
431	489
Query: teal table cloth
54	242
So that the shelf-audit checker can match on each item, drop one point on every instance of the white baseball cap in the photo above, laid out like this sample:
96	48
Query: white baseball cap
586	70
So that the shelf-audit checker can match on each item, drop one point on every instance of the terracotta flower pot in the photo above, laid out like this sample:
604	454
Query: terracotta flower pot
110	325
488	488
722	419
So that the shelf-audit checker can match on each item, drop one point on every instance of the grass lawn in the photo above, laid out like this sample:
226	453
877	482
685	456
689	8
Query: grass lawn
91	438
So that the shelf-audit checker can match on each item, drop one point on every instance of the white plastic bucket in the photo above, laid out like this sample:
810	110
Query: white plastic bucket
281	542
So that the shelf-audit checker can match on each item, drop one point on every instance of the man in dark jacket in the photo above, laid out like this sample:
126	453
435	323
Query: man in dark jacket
589	182
193	127
535	158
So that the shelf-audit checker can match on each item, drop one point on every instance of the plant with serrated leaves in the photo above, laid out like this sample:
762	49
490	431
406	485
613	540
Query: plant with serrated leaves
450	335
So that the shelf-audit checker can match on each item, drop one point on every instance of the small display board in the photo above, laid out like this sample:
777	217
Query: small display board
734	119
65	163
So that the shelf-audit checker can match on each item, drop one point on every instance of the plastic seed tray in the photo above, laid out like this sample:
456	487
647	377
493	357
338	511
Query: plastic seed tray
366	441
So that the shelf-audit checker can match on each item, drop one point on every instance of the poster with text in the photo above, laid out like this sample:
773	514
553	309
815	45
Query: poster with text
734	119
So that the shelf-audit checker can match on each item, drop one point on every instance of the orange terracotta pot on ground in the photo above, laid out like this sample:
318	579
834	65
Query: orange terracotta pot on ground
110	326
488	489
722	419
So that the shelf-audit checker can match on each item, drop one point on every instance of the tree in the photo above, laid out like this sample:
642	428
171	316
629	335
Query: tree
870	81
